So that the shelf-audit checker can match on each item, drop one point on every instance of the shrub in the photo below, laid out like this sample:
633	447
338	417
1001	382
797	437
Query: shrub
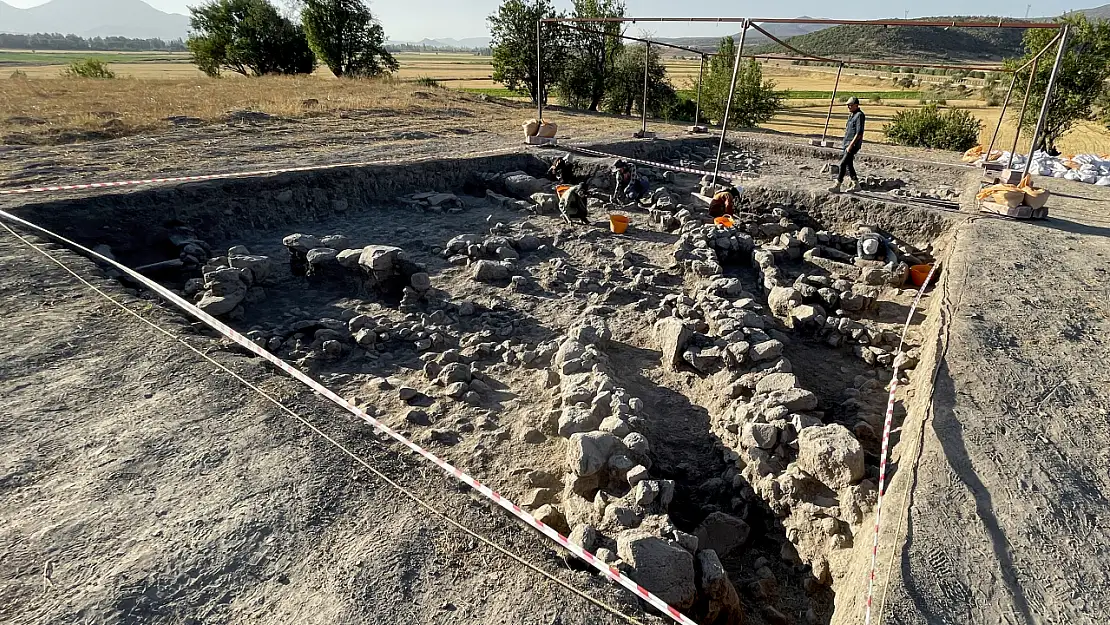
992	98
19	75
426	81
876	99
88	68
930	128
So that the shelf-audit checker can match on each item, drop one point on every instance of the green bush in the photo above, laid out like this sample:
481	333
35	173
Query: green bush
426	81
928	127
875	99
19	75
88	68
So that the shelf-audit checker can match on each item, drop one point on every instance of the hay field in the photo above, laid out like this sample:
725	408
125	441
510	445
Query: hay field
173	86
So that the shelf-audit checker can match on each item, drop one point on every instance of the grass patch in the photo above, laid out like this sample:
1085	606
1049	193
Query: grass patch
493	93
11	58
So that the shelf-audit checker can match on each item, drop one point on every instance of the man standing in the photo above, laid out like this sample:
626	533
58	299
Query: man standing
853	140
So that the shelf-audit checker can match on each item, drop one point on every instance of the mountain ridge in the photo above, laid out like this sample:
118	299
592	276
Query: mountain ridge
95	18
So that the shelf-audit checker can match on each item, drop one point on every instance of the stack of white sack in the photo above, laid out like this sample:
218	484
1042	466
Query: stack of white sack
1088	168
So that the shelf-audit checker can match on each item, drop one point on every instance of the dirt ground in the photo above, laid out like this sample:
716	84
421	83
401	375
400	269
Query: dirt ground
139	485
1008	494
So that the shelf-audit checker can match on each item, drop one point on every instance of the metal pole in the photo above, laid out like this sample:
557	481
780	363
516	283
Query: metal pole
1021	115
728	104
832	101
1047	98
647	57
539	74
701	74
1001	116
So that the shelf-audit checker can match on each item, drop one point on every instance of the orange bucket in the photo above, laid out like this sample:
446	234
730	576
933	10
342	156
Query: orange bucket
919	274
618	223
561	189
724	221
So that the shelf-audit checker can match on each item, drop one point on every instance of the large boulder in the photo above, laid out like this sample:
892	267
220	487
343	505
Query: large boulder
300	243
378	259
664	568
722	603
490	271
522	186
722	533
831	454
261	268
781	300
589	452
671	337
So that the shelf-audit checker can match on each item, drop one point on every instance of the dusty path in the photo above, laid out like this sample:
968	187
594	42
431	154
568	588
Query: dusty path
151	488
1008	516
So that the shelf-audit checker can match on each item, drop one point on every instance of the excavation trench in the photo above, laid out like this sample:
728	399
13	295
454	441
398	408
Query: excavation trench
652	393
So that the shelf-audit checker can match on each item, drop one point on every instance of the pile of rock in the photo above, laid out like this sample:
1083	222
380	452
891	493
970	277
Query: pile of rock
231	281
812	475
373	265
879	183
433	202
941	194
609	501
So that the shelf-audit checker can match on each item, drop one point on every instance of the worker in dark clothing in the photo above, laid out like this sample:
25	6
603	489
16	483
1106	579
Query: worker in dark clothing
724	202
853	141
573	204
629	186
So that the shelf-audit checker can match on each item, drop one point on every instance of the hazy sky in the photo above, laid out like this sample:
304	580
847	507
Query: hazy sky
417	19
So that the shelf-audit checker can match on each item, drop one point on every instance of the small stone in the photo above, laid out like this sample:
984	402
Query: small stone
636	475
418	417
421	282
456	390
533	436
407	393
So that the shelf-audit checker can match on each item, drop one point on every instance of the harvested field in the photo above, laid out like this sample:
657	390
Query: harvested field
702	406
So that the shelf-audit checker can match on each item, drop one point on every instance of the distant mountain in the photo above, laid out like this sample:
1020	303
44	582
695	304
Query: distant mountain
918	42
469	42
95	18
754	37
1102	12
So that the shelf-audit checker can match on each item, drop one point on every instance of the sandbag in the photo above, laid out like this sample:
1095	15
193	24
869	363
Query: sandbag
547	130
531	127
1103	181
1036	198
1011	199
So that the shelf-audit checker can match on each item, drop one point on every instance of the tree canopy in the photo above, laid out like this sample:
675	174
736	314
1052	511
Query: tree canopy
346	38
248	37
513	31
755	100
1080	83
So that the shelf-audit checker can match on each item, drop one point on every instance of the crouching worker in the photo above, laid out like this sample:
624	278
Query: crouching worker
724	202
562	171
871	246
629	185
573	204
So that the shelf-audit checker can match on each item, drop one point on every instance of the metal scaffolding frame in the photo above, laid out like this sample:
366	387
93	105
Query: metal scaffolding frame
755	23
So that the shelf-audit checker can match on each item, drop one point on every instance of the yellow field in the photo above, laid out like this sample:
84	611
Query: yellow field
809	119
460	70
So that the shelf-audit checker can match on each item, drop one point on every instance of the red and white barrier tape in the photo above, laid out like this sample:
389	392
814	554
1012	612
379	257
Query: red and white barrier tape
232	175
606	570
685	170
887	425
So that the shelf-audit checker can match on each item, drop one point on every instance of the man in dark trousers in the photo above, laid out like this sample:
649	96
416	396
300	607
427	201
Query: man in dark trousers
853	140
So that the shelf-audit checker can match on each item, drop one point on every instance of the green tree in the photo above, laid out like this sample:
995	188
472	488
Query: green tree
626	89
755	100
513	33
248	37
1080	82
593	54
347	38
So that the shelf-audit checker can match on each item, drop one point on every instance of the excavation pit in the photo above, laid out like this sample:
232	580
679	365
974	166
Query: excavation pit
595	378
